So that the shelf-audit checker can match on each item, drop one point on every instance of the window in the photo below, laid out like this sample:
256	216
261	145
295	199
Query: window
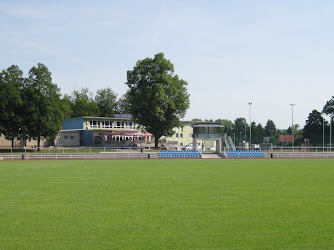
65	137
71	137
177	135
130	125
181	135
190	135
118	124
106	124
94	124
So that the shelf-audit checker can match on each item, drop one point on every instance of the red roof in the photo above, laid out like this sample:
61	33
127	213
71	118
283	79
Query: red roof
285	138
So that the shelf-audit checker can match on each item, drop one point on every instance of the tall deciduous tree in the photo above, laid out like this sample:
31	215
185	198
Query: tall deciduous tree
11	104
157	97
329	107
83	103
123	104
240	125
43	104
314	126
228	125
106	100
270	128
258	134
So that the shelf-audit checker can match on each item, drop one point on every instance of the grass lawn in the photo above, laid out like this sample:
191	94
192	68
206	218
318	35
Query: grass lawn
180	204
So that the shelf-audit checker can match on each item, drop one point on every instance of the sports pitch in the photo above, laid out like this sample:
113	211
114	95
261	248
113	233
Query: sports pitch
150	204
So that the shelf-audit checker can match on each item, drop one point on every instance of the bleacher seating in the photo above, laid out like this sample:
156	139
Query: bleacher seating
179	154
244	154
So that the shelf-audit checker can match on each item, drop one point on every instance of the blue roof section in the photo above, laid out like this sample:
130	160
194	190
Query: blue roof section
123	116
73	123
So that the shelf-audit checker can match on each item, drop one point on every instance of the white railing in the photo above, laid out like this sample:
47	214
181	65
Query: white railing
301	149
79	156
301	155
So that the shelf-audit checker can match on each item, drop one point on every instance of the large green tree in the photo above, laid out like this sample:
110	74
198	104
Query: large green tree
257	133
123	105
83	104
329	107
11	104
106	100
240	125
270	129
228	125
43	104
157	97
314	126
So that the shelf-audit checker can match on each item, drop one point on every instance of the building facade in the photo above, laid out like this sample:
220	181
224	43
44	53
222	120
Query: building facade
118	131
101	131
28	143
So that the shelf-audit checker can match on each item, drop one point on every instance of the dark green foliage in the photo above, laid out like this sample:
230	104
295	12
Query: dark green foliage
157	98
240	125
83	104
11	104
257	133
123	104
228	125
42	104
106	100
314	124
270	129
329	107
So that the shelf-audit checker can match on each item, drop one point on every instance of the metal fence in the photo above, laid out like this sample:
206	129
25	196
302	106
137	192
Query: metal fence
71	150
301	149
79	156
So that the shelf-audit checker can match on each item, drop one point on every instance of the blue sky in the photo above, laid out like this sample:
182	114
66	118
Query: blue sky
270	53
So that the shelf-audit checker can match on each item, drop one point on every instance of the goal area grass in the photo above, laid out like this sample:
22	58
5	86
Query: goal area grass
149	204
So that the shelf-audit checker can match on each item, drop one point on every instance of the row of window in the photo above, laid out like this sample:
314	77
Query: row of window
66	137
108	124
181	135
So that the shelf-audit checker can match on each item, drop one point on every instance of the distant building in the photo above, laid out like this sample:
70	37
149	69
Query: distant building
29	143
101	131
287	139
118	131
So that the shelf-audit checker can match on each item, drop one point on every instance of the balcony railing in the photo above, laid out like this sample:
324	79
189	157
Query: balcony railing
208	135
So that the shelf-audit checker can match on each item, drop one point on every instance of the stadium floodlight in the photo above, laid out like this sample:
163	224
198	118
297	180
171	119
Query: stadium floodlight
250	126
330	133
323	132
292	139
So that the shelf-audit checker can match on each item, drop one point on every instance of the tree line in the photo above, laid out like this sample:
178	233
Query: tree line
315	127
33	107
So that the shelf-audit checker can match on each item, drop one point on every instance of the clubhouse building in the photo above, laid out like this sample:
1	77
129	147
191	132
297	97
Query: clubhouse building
118	131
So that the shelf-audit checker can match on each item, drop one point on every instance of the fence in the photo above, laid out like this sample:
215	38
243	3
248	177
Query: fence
301	149
79	156
56	150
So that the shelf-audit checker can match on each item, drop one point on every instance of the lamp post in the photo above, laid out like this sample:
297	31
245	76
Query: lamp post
323	134
245	129
292	139
330	134
250	126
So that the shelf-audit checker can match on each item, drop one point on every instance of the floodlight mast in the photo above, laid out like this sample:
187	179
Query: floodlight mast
330	134
292	139
250	126
323	133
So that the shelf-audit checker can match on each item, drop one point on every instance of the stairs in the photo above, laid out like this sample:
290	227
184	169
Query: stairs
229	143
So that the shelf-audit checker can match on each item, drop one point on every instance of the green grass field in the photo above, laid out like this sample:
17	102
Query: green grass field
150	204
